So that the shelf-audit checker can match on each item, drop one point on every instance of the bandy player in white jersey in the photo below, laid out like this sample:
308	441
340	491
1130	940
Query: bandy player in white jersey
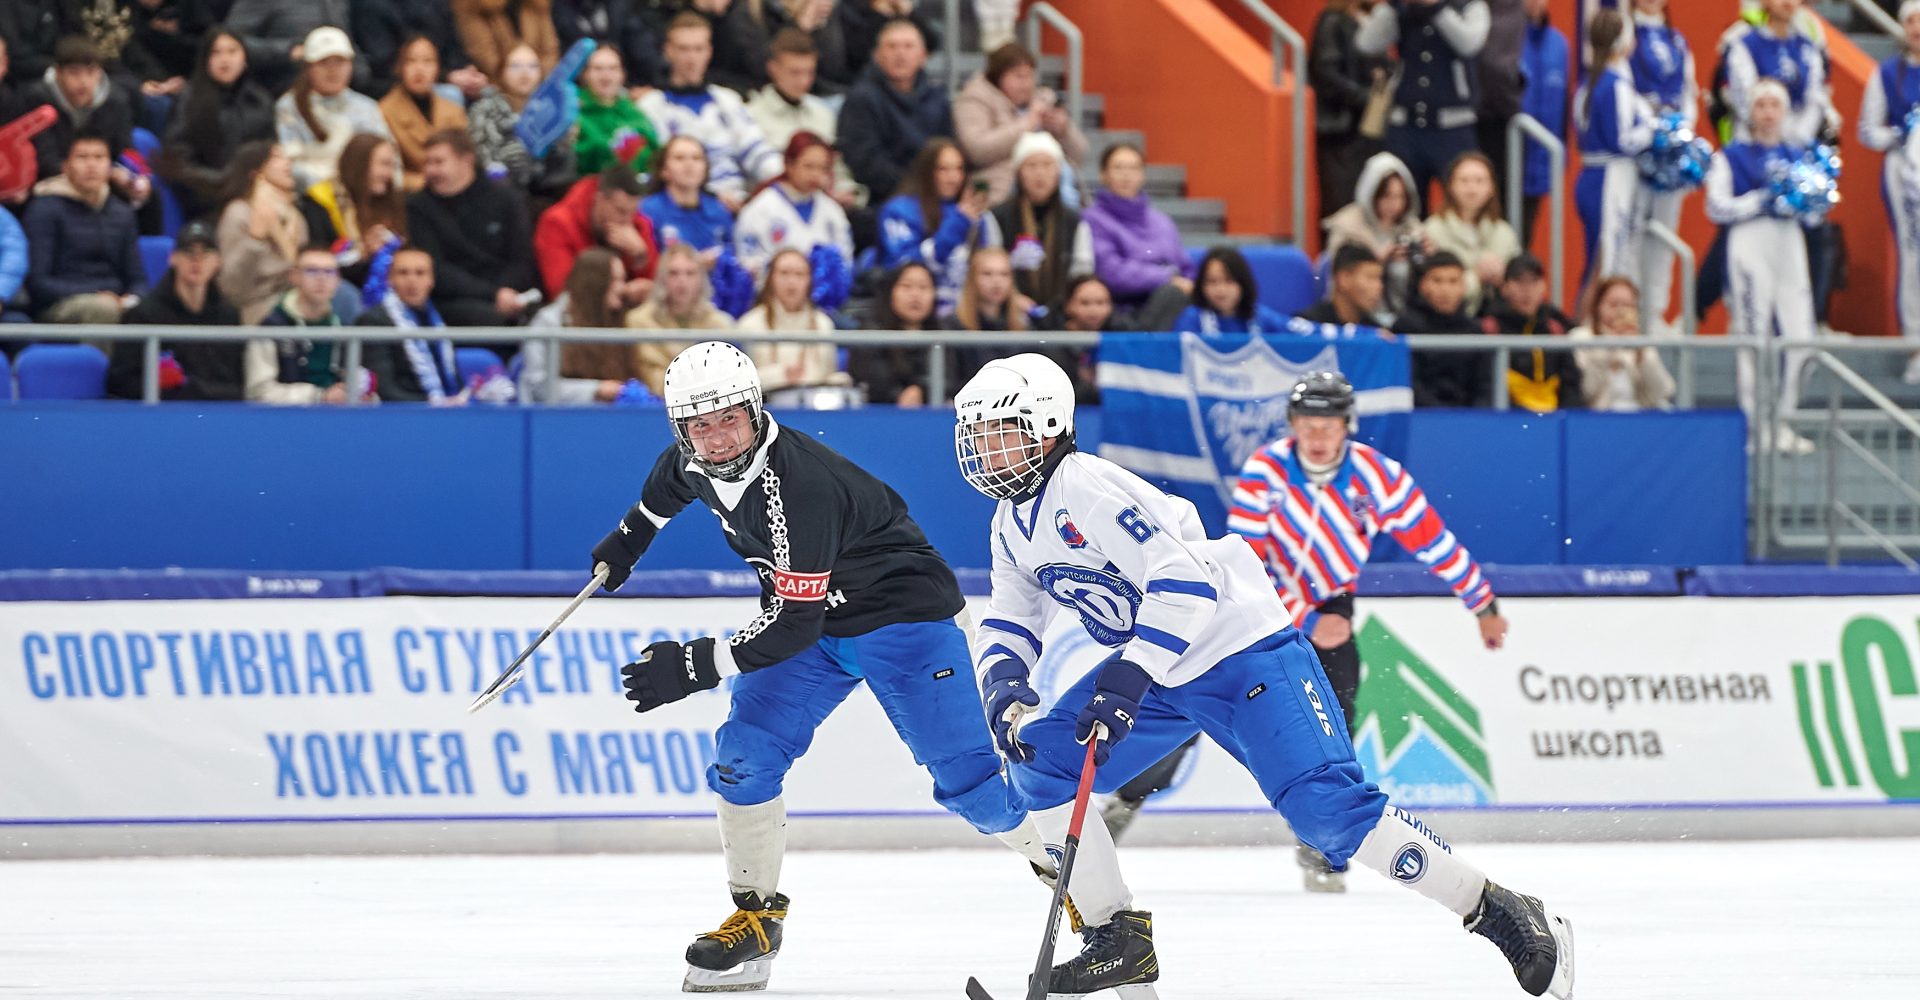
1201	643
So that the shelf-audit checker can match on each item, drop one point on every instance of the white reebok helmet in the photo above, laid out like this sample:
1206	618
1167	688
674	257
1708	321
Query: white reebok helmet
707	378
1003	414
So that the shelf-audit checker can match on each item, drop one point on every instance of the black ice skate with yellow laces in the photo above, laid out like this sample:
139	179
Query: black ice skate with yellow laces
1118	956
738	956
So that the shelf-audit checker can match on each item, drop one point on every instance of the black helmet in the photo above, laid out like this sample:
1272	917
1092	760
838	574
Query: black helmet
1321	394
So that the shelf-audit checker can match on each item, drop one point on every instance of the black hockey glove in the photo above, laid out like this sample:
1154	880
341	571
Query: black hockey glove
669	671
618	552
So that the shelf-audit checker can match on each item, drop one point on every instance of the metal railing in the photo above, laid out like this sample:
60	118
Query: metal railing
950	46
1689	320
1530	127
1880	18
1047	14
1290	55
1838	439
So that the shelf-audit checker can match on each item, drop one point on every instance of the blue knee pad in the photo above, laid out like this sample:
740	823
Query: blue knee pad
749	765
1332	810
971	786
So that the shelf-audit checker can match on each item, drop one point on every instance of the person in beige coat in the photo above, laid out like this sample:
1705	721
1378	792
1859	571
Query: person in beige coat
260	231
1619	379
682	299
414	112
489	30
786	303
1384	217
1470	226
1002	103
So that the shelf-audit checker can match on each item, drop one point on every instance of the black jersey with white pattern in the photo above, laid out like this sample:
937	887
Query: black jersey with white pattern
835	549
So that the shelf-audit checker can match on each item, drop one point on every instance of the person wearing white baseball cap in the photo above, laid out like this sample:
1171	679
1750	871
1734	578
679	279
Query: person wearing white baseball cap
317	117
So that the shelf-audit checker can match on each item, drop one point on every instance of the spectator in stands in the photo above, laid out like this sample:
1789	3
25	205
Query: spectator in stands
32	28
493	118
786	105
1544	63
1471	226
491	28
381	27
893	110
590	371
1439	305
862	22
1663	71
618	24
1385	219
317	117
222	108
1087	307
795	210
82	241
681	300
738	157
1769	286
990	303
742	35
681	208
13	266
601	210
1136	248
1047	241
1615	125
261	231
1226	299
82	97
420	369
301	371
1432	121
361	207
897	375
12	92
1619	379
1892	94
613	131
1344	80
156	59
786	304
279	36
478	233
414	112
1500	81
1000	106
932	221
1538	380
185	295
1357	293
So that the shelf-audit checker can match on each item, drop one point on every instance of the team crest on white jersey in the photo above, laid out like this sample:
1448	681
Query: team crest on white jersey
1105	601
1239	400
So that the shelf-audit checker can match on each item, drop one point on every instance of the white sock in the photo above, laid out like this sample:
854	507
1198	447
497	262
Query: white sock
1025	841
1096	887
754	839
1403	849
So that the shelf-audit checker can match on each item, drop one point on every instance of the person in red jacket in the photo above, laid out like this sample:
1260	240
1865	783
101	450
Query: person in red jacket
598	211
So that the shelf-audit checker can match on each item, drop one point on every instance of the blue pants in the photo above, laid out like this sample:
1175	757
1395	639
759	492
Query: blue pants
922	674
1270	706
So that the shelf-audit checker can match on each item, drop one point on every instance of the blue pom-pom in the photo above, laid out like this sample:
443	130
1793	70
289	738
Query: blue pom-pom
1807	189
1677	160
832	278
636	394
732	285
375	290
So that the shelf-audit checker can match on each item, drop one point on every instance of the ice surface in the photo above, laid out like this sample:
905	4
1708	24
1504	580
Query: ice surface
1699	920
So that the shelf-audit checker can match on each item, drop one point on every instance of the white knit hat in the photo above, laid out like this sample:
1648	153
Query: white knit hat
1908	9
1036	144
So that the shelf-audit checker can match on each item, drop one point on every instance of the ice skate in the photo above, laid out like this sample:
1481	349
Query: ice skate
1118	956
1316	875
1118	813
1537	943
739	955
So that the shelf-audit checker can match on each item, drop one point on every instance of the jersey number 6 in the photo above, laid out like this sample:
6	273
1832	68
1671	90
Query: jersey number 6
1133	523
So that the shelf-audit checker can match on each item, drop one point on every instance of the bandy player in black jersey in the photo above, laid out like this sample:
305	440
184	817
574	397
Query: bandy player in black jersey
851	591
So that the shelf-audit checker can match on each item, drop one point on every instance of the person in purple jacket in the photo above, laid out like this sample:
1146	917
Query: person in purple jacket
1136	247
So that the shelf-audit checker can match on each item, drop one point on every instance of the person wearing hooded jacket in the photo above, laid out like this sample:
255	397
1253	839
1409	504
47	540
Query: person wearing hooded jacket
84	99
1384	217
892	111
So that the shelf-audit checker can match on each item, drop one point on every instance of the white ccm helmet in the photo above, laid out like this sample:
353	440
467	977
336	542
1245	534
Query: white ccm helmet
707	378
1003	414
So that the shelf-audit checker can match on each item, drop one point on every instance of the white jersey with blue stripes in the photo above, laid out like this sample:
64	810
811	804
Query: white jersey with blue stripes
1134	564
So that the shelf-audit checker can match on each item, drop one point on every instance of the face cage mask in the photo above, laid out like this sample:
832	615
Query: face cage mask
732	469
1009	472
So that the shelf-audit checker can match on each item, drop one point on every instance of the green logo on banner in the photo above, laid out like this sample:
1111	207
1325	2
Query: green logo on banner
1416	735
1870	648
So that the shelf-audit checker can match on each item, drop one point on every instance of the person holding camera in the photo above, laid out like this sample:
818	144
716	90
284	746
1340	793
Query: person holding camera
1384	219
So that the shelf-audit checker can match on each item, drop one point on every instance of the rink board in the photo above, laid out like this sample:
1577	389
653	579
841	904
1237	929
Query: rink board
229	718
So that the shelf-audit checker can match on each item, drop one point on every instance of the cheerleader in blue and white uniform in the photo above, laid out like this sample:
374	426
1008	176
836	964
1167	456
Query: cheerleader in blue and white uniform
1614	124
1664	74
1893	93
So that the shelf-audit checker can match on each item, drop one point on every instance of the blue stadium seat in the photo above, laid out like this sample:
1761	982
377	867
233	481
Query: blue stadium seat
6	379
474	361
63	371
1285	276
154	251
170	214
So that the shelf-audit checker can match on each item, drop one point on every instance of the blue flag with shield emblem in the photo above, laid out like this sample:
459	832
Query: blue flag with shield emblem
1185	411
555	104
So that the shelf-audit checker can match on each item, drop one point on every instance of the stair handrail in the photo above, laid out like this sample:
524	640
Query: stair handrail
1556	192
1048	14
1836	508
1290	53
950	47
1689	322
1880	18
